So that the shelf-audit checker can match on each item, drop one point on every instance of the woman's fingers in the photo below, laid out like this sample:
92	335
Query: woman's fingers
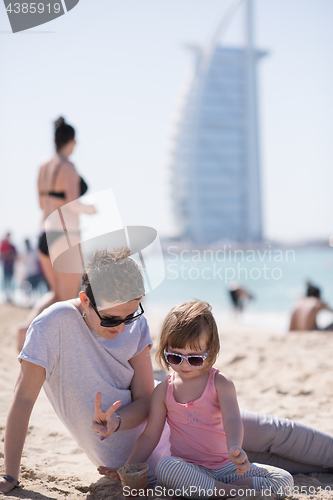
104	423
98	428
110	411
98	407
100	416
113	421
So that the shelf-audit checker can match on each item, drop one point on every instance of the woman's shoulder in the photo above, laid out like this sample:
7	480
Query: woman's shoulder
139	327
49	161
44	167
59	165
67	167
56	313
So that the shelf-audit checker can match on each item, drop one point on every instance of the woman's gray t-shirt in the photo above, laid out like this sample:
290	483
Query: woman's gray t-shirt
79	363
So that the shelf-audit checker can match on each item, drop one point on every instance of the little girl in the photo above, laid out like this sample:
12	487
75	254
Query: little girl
200	406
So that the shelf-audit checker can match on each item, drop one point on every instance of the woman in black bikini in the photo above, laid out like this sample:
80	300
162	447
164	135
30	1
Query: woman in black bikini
58	184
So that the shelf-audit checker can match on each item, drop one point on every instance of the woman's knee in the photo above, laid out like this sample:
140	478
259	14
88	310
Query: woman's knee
271	479
260	431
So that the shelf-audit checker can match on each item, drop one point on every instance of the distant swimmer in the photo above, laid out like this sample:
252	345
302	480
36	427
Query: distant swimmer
238	295
304	314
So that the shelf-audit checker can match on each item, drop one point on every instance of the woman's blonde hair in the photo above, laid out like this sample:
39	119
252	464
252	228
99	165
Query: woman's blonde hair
112	276
184	325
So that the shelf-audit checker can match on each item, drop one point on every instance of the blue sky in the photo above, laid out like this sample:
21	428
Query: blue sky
115	70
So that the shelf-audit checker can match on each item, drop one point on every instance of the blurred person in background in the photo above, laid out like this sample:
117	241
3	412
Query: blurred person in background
58	184
238	296
33	276
8	255
304	314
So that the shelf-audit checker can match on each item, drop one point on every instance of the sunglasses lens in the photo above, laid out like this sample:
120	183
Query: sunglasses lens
109	324
173	359
195	361
130	320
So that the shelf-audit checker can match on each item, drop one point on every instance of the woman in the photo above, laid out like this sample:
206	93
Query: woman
58	184
101	342
72	355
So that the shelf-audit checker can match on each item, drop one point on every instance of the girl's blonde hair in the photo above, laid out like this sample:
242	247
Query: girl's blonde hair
184	325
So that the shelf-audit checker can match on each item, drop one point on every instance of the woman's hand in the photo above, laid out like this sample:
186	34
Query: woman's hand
105	423
5	486
90	209
238	457
107	471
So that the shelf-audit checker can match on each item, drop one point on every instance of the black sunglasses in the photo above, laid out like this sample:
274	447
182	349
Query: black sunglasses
196	360
110	323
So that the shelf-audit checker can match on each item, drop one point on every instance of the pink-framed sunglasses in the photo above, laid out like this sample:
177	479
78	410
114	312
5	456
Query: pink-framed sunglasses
196	360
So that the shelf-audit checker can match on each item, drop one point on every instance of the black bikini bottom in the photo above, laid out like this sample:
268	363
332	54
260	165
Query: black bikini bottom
51	237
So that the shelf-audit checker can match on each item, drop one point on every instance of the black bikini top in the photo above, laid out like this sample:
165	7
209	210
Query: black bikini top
61	194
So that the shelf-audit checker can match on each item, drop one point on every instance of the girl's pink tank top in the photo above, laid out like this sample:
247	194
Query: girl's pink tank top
196	428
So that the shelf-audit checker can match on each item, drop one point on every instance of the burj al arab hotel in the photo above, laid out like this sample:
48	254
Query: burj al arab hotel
215	171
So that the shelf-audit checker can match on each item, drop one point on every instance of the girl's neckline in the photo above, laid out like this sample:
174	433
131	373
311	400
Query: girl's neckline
190	403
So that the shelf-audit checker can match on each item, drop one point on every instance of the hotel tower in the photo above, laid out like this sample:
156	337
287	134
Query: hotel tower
215	171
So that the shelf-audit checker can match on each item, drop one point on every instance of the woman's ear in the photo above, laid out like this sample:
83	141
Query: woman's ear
84	300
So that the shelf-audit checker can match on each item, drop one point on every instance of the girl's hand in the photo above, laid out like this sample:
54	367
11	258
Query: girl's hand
107	471
104	423
238	457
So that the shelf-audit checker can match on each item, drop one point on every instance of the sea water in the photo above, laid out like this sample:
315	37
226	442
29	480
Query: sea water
275	277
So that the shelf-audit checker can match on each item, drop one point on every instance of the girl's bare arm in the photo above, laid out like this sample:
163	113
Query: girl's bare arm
232	422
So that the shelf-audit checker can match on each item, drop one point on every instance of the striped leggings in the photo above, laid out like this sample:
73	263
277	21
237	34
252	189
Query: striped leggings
197	482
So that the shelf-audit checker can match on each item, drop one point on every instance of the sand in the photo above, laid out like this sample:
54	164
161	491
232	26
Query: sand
289	376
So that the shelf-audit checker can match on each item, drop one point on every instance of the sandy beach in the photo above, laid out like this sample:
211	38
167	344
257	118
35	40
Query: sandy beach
286	375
